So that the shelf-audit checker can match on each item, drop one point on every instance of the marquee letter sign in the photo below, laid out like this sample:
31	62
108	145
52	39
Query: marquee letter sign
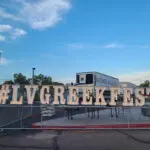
90	95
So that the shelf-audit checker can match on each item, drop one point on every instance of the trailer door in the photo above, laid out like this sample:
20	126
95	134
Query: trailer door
89	78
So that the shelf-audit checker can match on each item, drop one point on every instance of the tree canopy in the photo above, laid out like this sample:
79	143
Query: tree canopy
40	79
20	79
145	84
9	82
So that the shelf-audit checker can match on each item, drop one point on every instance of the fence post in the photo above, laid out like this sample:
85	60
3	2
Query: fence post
21	115
31	110
128	117
18	110
41	115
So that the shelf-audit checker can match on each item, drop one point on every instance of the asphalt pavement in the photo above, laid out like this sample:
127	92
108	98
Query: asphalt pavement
79	140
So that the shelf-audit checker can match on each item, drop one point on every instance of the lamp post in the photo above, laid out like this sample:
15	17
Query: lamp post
33	69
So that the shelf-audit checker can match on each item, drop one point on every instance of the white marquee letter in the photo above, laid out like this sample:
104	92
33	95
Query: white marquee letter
128	101
44	98
4	93
15	95
100	100
87	93
31	94
58	92
140	99
148	91
73	95
114	92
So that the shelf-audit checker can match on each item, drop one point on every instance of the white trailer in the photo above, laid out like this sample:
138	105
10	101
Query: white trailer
96	79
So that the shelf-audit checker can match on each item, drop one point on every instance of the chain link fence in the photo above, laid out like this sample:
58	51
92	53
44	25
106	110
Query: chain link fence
10	114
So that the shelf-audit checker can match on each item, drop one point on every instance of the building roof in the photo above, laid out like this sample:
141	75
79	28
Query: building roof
97	73
127	83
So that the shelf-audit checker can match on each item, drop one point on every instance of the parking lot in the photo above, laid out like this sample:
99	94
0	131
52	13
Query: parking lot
78	140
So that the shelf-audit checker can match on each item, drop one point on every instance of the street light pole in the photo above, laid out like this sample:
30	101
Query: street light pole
33	69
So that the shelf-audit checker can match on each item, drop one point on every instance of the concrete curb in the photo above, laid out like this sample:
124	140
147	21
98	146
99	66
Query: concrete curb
107	126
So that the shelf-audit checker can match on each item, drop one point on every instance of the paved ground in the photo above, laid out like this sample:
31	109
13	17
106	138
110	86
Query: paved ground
94	140
104	140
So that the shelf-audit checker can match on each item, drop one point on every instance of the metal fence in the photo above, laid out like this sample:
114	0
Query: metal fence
16	114
11	114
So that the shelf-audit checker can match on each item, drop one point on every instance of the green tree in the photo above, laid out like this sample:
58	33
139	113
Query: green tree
145	84
42	79
57	83
8	82
20	79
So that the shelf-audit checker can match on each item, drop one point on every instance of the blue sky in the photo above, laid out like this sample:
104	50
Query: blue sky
62	37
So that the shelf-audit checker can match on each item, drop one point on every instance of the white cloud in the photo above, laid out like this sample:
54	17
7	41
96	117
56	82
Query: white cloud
66	80
90	46
2	38
13	32
50	55
76	46
17	33
145	46
5	15
113	45
3	61
136	77
43	14
38	14
5	28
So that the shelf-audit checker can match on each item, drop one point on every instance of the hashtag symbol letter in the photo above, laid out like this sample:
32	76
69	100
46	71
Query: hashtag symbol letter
4	94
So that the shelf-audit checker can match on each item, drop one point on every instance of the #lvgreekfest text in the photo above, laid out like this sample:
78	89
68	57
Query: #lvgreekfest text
45	94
